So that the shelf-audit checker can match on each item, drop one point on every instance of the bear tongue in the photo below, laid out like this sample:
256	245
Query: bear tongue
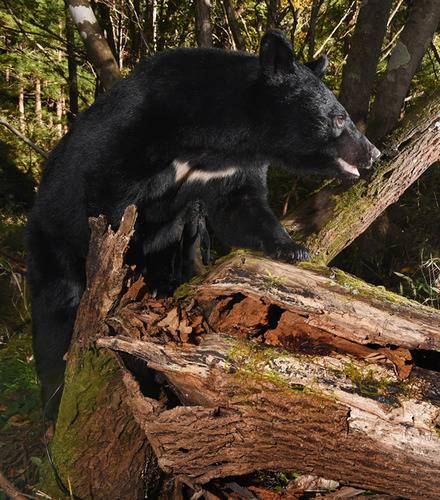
347	168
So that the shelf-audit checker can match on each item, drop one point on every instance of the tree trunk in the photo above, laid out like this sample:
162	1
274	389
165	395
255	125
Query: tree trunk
273	7
107	25
135	32
349	404
403	63
360	70
72	68
21	115
203	23
310	36
98	50
150	26
38	112
331	219
233	25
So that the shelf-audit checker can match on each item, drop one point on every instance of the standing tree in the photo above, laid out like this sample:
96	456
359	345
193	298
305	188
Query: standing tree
233	25
403	63
273	7
98	50
203	23
72	67
360	71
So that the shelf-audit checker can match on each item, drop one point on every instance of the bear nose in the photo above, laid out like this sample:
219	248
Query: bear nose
375	154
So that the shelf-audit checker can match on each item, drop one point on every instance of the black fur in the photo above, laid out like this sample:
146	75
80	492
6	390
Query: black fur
211	110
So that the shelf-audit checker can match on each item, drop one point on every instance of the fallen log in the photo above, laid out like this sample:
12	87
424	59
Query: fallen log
259	366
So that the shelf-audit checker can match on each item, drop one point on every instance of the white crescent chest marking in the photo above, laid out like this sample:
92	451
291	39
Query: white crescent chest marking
184	172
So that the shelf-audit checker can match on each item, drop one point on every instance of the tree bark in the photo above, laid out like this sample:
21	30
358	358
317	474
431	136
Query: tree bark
38	112
310	36
21	115
273	7
331	219
98	446
72	67
403	63
203	22
98	50
350	404
233	25
360	70
150	26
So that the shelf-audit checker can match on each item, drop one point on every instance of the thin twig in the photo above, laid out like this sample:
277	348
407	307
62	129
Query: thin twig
394	12
335	29
24	138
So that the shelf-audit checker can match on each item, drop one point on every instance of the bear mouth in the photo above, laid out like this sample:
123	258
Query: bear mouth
347	169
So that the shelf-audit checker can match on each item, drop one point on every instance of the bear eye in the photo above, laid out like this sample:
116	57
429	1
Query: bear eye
339	121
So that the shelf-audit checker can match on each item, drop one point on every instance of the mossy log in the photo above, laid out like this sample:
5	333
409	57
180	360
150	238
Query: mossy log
336	215
261	365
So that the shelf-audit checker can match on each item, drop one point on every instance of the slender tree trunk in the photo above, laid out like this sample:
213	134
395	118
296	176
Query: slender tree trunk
59	112
403	63
203	22
98	50
150	26
21	115
38	112
107	25
360	70
233	25
273	7
135	32
310	37
72	68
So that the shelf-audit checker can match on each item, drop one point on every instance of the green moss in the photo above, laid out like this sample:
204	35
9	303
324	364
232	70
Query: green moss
358	287
368	384
437	430
84	386
183	291
253	362
272	280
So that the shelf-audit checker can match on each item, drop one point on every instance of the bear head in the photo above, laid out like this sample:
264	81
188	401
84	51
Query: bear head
305	125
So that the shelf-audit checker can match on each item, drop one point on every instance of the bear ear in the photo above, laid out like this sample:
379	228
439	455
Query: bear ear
276	55
318	66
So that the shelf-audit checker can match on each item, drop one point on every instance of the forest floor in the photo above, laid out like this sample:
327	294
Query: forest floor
21	429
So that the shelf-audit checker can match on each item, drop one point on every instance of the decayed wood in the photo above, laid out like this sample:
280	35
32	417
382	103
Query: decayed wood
98	448
341	401
248	410
326	404
335	216
327	300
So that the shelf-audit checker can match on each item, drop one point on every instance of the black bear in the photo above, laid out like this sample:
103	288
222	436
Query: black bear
188	135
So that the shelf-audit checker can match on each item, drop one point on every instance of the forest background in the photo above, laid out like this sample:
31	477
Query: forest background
48	74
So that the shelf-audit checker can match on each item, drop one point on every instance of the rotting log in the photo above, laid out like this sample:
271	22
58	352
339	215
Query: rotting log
98	448
262	365
335	216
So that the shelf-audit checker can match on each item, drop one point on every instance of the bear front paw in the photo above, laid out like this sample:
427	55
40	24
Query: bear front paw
291	253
